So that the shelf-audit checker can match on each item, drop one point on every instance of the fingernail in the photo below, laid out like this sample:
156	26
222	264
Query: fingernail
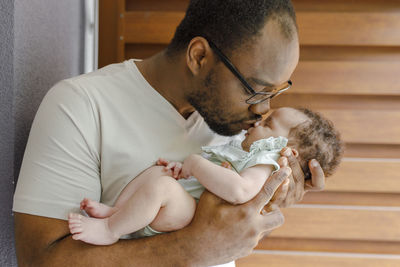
314	163
287	152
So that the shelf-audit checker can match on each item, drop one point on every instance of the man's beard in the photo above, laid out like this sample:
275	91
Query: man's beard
208	103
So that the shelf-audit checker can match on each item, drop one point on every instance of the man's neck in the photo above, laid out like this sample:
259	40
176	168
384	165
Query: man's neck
167	77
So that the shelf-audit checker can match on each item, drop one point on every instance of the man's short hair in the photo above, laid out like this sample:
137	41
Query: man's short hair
231	23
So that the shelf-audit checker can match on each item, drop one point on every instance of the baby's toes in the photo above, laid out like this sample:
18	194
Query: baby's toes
78	236
76	229
74	216
84	202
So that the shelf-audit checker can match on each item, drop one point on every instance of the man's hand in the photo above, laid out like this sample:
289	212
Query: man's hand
230	232
294	190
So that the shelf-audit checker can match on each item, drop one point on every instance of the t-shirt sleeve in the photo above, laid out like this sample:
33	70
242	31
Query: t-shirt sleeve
61	163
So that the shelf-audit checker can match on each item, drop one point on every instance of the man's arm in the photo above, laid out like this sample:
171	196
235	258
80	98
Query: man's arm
42	241
219	233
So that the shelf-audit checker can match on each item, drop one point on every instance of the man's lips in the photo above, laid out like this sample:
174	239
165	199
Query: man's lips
247	125
251	127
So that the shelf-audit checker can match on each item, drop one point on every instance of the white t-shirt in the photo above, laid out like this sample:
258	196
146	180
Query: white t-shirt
94	133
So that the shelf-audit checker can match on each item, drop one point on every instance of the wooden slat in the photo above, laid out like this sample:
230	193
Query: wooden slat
346	5
142	50
349	53
372	151
329	245
349	28
366	126
340	224
108	36
300	5
121	30
337	77
152	27
377	176
262	260
342	102
156	5
331	28
352	198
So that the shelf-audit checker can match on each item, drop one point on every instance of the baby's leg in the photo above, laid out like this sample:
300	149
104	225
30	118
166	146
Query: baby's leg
99	210
96	209
160	201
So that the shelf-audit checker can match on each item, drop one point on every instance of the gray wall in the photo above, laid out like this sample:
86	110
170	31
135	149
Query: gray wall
6	132
48	47
41	43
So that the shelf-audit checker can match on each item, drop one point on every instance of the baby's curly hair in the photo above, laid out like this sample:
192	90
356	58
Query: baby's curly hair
317	139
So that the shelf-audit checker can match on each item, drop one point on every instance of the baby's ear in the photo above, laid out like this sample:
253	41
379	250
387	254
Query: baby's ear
295	152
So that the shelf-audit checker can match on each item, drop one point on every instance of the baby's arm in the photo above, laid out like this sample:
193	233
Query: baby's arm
225	183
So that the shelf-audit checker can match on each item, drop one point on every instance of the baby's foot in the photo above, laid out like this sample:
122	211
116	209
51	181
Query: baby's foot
96	209
90	230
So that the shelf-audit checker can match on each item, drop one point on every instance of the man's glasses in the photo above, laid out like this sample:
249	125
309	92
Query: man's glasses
256	97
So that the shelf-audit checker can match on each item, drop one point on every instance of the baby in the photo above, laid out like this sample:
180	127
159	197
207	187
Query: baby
163	198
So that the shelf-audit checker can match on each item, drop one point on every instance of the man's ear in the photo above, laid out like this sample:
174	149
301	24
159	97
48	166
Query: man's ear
198	51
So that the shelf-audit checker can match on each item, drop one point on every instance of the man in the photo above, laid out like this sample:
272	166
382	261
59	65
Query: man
94	133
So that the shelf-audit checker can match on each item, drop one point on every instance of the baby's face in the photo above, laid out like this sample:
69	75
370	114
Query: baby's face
279	123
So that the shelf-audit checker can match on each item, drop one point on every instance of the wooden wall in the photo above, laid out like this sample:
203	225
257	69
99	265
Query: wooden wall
349	70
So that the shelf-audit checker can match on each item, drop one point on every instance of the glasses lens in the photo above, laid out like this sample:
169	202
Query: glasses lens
258	98
262	96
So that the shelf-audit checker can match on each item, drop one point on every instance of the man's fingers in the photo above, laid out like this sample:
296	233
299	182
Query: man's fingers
269	188
273	219
296	188
280	194
283	162
294	164
317	177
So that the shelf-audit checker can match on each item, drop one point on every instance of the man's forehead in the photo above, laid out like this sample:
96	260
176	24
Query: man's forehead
269	59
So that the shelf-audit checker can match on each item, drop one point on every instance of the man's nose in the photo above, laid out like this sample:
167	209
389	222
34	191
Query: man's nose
261	108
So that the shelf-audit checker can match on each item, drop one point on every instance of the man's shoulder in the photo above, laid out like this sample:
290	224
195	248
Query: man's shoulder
115	80
109	73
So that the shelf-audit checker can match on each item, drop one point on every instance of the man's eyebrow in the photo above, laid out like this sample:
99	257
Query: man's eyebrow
260	82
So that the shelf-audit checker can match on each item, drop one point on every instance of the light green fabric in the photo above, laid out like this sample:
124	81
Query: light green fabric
146	231
264	151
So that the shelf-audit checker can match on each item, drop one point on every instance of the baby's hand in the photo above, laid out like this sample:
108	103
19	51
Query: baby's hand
226	164
174	167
